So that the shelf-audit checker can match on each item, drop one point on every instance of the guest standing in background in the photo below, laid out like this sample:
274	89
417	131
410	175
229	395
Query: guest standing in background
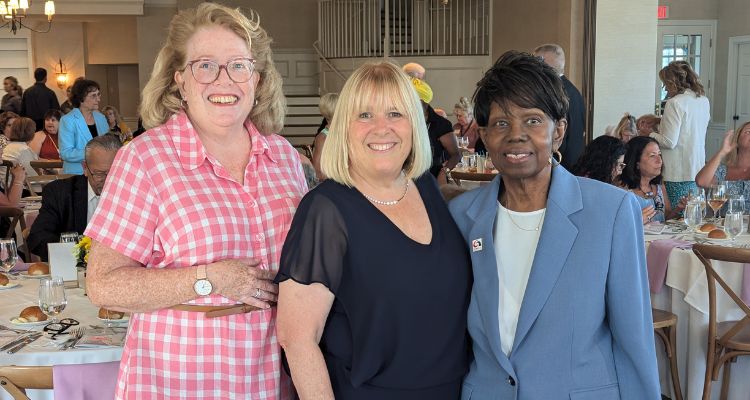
45	142
81	125
67	105
8	84
188	232
38	99
682	131
574	140
12	100
374	278
560	307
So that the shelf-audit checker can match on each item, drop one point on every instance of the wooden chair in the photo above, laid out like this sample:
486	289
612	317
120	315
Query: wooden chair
42	167
730	339
35	183
8	165
15	380
15	216
665	327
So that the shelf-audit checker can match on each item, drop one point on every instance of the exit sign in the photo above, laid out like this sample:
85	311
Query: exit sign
662	12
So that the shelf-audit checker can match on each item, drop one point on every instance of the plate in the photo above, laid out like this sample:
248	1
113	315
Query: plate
31	198
114	321
25	275
654	228
10	285
28	324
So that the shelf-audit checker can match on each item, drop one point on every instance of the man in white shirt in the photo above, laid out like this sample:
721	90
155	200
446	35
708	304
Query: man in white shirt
68	204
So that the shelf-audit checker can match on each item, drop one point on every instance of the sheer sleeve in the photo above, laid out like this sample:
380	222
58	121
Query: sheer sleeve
315	247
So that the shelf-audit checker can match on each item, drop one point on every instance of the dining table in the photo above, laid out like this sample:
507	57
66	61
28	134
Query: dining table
47	351
685	293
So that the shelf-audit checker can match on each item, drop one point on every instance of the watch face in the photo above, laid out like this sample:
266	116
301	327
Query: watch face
202	287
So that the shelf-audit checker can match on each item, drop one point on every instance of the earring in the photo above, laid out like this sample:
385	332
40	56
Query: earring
256	102
557	160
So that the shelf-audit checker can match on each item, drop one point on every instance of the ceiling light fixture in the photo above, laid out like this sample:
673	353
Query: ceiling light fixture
14	12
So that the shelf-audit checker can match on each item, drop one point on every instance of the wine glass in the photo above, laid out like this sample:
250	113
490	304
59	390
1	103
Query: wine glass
733	224
717	196
693	214
8	254
52	299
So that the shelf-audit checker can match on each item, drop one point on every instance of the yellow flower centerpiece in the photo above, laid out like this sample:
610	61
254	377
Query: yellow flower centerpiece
81	251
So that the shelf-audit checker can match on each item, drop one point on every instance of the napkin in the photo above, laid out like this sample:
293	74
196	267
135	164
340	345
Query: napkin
656	260
85	381
101	338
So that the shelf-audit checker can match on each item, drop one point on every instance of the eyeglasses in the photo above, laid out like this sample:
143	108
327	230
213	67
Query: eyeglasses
96	95
97	175
59	328
239	70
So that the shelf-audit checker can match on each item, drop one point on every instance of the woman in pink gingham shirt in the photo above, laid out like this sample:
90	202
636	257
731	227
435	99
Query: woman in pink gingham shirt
193	217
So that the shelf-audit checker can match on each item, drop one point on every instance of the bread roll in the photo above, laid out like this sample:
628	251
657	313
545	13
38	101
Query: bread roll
717	234
110	314
33	314
4	280
707	227
39	268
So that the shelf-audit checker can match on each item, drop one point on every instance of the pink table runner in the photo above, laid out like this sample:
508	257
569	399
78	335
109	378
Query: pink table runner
85	381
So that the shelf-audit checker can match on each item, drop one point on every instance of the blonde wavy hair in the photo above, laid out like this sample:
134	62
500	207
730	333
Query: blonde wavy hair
375	83
731	158
161	97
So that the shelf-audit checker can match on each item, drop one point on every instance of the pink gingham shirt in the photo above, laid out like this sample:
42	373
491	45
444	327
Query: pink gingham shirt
168	204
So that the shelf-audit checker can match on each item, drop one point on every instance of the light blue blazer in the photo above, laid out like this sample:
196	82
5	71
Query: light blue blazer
74	134
585	330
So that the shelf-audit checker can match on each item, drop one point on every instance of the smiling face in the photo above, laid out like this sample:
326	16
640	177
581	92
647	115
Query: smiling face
223	103
650	162
380	140
521	140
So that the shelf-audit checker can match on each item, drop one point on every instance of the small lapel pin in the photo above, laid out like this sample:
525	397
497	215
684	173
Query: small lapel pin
476	245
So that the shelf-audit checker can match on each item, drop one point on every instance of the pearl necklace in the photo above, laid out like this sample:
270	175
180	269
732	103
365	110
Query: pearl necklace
390	202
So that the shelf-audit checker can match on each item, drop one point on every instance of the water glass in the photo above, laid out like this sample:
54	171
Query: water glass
693	214
69	237
733	224
736	204
52	298
8	254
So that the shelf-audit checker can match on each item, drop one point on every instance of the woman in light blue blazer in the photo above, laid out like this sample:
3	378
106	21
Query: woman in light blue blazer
80	125
560	306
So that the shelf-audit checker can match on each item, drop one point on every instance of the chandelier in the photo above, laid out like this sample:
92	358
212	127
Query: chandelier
14	12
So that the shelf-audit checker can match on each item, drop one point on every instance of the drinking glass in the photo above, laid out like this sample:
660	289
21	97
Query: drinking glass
717	196
693	214
733	224
69	237
52	299
8	254
736	204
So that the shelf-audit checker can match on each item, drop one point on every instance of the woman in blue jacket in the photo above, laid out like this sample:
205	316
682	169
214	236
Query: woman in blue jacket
80	125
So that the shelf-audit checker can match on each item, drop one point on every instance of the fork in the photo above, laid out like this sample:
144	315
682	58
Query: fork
76	335
5	328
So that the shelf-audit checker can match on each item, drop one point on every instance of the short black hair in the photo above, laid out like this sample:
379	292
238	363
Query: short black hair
53	113
599	158
524	80
631	175
40	74
81	88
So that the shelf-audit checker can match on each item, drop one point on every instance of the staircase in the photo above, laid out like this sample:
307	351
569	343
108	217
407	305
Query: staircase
302	119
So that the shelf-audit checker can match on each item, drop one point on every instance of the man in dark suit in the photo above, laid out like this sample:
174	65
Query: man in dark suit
68	204
38	99
574	140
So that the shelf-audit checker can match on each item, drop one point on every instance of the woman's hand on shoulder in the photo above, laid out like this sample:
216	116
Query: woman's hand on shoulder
240	279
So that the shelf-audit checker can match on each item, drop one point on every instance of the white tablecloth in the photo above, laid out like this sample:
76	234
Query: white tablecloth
12	301
686	295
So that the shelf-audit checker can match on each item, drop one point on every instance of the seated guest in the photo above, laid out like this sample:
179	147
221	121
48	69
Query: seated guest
642	175
646	124
327	106
441	112
626	128
68	204
45	141
6	122
18	150
12	195
735	168
466	125
116	124
603	159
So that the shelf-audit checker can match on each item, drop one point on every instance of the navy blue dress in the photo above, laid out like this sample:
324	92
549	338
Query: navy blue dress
397	327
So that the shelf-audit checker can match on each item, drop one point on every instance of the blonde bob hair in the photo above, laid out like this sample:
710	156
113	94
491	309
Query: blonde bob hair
372	84
161	96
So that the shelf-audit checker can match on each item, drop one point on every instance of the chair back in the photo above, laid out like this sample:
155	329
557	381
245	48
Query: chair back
458	176
16	217
8	165
16	379
705	254
43	167
35	183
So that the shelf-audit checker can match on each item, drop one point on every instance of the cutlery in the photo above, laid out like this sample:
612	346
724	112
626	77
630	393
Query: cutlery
76	336
16	341
5	328
22	344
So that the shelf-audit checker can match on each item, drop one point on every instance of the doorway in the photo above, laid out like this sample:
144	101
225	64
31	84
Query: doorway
738	82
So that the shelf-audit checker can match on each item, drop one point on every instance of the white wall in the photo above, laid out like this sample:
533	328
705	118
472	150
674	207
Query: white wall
624	77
